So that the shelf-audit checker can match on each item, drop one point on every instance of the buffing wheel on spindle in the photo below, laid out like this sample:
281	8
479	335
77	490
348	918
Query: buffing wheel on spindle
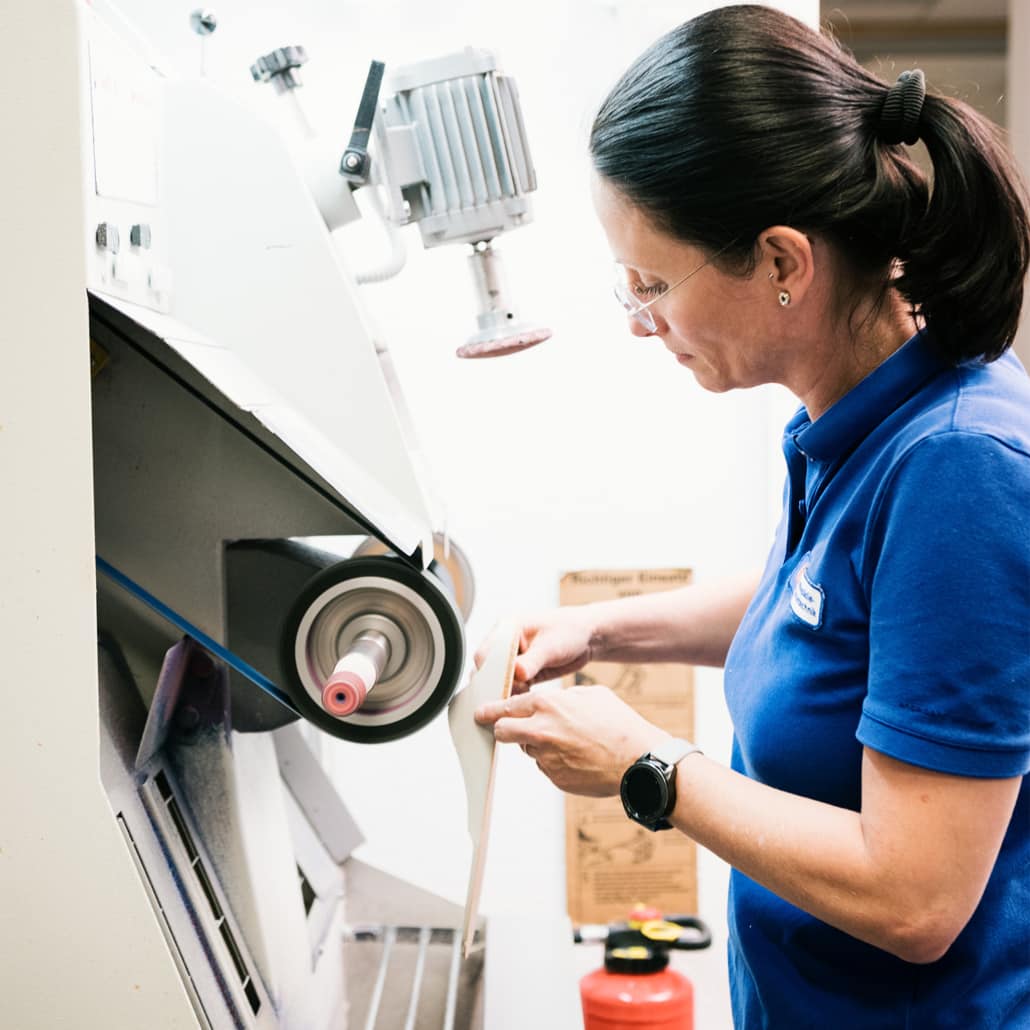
450	565
372	648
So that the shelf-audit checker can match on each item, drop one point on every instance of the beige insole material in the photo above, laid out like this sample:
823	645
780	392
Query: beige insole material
477	754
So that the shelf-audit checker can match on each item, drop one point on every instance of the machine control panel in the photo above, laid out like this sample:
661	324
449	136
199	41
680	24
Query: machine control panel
127	256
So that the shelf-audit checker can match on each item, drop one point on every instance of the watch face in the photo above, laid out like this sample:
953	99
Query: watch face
645	793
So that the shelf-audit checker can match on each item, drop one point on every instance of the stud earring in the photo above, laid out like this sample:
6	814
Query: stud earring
784	296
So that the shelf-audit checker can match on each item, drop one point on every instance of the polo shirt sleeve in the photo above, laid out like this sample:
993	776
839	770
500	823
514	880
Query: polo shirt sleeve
947	573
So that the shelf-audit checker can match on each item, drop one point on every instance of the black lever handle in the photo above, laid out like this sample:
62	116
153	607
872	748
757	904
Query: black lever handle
354	165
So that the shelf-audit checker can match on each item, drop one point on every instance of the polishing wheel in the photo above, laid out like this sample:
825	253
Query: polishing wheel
450	565
372	648
504	343
500	331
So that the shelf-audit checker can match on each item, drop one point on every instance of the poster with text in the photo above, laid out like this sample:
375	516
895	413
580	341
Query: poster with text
611	862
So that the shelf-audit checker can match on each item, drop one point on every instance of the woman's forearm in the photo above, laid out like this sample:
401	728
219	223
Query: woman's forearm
810	854
694	624
904	875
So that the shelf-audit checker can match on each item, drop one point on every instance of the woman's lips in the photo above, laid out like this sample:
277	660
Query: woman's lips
684	359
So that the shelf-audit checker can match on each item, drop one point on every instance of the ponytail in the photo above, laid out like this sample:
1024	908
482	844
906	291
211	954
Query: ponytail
965	261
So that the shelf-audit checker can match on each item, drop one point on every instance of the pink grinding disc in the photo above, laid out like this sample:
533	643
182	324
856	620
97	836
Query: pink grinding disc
504	345
344	693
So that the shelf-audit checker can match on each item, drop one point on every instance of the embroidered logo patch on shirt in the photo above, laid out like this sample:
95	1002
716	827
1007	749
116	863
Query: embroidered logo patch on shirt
806	597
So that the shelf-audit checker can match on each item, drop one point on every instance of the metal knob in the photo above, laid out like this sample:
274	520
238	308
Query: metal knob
108	237
203	21
139	235
280	68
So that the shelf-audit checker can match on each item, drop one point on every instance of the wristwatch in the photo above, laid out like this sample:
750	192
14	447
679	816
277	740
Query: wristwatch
649	785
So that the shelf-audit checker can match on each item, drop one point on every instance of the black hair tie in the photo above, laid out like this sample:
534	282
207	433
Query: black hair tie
901	111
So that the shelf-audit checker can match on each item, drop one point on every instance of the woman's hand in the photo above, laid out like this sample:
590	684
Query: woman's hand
551	644
582	738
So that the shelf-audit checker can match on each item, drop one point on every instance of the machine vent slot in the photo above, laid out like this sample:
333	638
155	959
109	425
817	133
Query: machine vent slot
307	892
163	786
197	865
180	961
234	952
209	891
252	996
187	838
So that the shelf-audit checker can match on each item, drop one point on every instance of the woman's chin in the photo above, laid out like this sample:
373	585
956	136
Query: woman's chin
707	378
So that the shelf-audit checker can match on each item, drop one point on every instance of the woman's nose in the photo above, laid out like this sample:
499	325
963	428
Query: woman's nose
637	328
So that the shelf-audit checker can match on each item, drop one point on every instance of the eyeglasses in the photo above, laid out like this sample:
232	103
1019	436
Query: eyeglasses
625	292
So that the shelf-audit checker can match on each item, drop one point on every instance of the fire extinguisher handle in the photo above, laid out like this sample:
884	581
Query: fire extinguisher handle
702	938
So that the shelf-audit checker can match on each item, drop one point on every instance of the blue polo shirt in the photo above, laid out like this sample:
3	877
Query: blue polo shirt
894	614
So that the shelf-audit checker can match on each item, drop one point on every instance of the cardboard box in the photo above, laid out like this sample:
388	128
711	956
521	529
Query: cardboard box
611	863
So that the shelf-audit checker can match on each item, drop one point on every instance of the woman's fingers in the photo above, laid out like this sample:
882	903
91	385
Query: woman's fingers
513	731
582	738
530	658
551	644
551	672
517	706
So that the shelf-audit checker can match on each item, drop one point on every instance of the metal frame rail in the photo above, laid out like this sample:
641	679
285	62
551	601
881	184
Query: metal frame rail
423	937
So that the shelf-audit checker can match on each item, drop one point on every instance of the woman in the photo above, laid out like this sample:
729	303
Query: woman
770	227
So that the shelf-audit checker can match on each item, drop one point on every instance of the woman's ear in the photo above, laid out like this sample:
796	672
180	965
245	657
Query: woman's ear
785	258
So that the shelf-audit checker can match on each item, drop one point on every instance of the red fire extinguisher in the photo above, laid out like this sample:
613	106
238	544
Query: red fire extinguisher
635	989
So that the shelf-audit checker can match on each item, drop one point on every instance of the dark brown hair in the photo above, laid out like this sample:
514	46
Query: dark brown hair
744	118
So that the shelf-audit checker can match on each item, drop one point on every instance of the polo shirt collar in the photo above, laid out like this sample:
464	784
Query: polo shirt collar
866	405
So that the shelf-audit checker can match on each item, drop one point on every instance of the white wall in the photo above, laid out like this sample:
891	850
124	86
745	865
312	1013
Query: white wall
593	450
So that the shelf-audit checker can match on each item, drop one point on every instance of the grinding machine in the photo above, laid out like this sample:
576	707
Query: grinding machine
269	566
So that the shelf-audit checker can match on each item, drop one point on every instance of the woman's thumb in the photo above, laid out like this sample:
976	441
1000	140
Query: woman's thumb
527	665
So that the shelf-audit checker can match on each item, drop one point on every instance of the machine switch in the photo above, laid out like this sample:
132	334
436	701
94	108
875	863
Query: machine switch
139	235
108	237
